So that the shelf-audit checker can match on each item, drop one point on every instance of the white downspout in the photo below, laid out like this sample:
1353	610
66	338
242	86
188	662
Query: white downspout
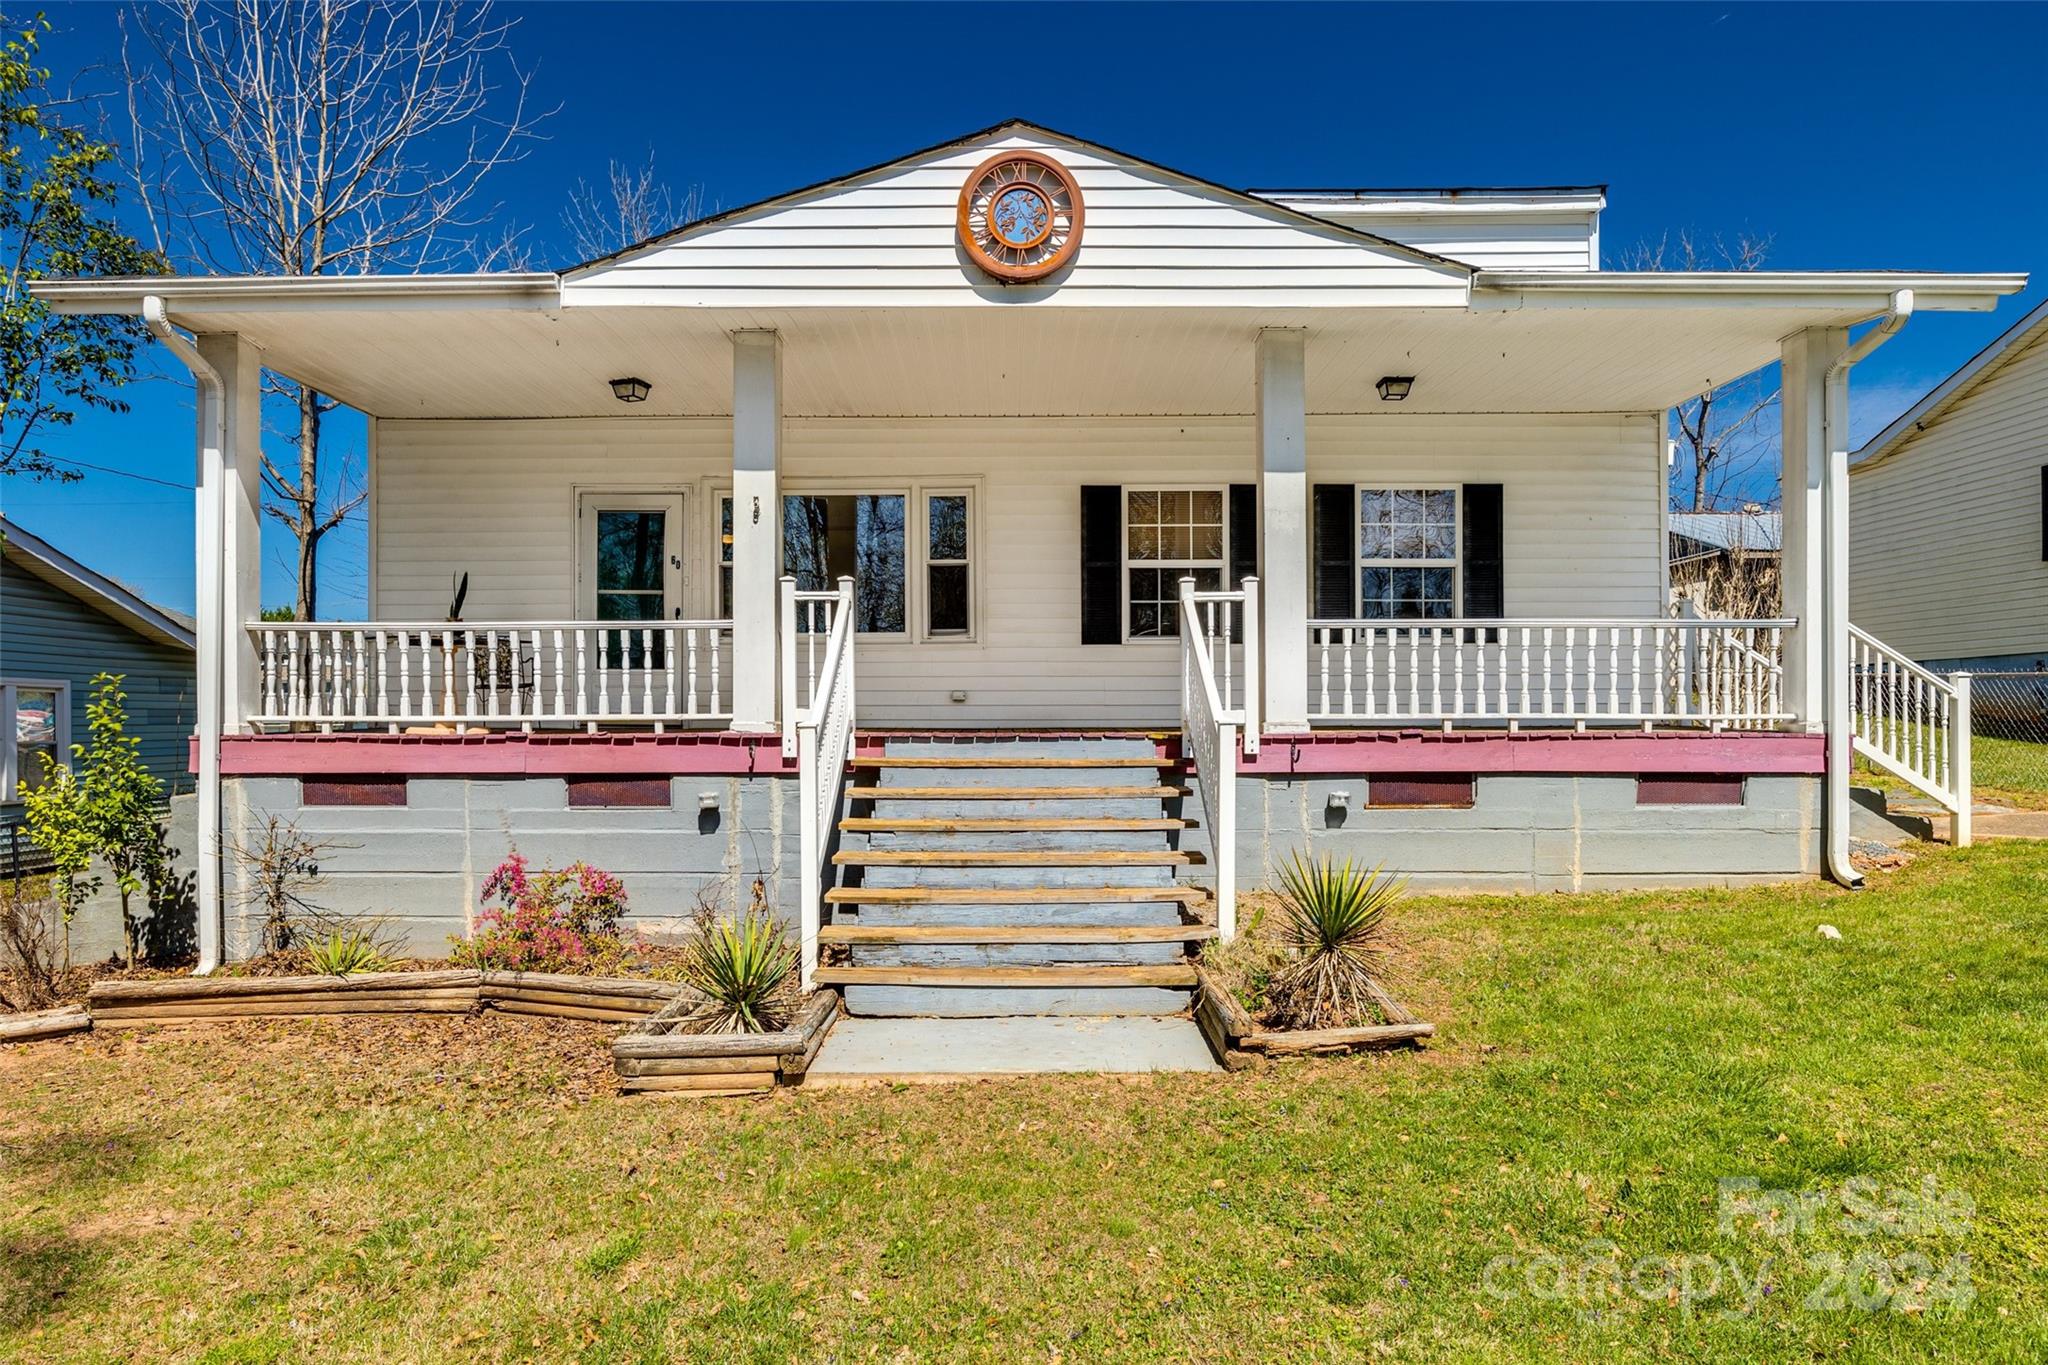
210	517
1835	711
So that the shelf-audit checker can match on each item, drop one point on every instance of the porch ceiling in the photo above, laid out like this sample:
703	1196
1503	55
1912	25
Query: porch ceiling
1513	352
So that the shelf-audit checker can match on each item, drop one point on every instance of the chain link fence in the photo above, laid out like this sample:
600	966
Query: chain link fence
2009	733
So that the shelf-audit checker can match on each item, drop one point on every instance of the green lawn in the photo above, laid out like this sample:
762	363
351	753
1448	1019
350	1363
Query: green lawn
463	1191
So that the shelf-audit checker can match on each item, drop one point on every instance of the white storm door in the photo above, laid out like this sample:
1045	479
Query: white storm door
629	567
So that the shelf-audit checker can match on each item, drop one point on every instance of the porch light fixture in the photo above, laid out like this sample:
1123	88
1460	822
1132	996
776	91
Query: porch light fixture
633	390
1394	387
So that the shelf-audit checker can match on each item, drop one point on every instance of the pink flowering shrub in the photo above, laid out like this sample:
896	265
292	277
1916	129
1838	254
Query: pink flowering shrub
548	920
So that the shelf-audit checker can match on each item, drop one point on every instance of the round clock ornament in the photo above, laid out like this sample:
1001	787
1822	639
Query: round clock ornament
1020	216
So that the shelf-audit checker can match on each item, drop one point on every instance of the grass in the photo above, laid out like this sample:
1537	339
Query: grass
469	1191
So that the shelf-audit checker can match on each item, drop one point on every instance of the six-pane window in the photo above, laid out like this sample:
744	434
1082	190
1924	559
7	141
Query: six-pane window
1407	553
1169	534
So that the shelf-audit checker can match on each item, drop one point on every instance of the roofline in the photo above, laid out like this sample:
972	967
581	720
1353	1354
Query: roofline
1494	290
190	294
145	617
1456	199
1950	391
723	215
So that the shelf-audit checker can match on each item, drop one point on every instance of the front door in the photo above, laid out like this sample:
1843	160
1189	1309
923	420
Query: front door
630	568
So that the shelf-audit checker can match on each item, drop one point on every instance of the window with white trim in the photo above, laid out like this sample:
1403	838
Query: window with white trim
1407	553
35	720
948	576
1170	534
901	572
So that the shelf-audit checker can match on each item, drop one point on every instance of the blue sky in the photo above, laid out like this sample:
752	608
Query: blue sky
1894	136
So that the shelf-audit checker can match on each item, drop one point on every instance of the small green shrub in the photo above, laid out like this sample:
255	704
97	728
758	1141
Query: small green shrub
347	952
1333	919
746	969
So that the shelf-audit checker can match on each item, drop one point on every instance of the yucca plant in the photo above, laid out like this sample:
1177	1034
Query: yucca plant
745	969
1333	918
346	952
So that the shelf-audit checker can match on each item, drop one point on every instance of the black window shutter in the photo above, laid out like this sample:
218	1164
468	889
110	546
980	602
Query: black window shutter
1485	590
1244	533
1102	564
1334	517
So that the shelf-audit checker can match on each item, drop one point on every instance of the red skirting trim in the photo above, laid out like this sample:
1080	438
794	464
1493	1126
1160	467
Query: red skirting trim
1594	752
502	755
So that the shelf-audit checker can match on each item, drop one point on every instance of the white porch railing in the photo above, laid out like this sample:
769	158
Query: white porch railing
491	674
1652	671
824	745
805	618
1913	724
1209	728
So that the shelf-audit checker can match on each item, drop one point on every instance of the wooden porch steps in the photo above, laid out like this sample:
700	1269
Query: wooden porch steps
1026	761
1029	857
965	793
1173	974
1035	905
1016	933
1011	895
975	824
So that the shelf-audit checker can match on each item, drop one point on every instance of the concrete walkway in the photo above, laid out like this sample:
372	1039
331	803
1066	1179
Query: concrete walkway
875	1051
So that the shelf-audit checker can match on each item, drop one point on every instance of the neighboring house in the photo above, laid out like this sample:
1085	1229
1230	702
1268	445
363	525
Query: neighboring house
1742	547
1948	518
61	624
987	406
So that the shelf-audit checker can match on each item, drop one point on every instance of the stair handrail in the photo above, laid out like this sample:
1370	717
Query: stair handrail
1209	735
824	746
1913	723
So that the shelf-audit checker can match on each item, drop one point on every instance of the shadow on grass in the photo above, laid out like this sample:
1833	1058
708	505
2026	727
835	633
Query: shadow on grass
38	1272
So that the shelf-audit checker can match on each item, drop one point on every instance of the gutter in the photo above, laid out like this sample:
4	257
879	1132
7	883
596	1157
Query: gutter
1835	710
208	607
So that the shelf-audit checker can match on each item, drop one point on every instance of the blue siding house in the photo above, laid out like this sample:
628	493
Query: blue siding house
60	624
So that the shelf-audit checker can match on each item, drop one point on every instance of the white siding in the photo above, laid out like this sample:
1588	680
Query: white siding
1945	535
1493	242
887	240
496	499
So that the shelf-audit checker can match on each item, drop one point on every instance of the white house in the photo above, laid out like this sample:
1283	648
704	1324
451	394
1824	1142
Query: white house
1253	521
1948	543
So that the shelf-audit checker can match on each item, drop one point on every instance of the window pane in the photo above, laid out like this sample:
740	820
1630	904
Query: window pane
949	528
1144	542
630	550
948	592
1208	542
1175	542
725	592
630	606
1209	507
805	527
1173	507
35	716
878	561
1144	509
30	768
725	530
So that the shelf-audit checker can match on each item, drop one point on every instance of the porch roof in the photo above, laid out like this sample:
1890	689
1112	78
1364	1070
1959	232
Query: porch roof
512	345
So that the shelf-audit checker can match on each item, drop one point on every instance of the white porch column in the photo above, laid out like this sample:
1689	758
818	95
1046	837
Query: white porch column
241	551
756	520
1283	526
1805	357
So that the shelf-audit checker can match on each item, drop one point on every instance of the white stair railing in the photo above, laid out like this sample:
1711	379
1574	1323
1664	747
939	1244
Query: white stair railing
1209	728
1912	723
806	619
824	747
490	674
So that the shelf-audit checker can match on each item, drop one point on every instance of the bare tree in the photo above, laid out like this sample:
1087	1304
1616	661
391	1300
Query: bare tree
316	138
633	205
1723	431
